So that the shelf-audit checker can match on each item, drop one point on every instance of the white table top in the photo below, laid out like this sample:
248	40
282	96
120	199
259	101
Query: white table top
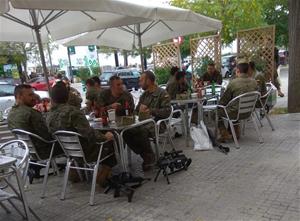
6	161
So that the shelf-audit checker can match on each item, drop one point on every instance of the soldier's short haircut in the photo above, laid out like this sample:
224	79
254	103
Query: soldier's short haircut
96	79
150	75
211	63
19	89
59	93
252	64
173	71
243	67
113	78
90	82
179	75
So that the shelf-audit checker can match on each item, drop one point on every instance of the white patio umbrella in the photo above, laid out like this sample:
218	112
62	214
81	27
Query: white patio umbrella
33	20
168	22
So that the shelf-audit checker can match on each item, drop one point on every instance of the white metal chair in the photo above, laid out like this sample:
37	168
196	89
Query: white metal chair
35	158
71	145
208	91
246	106
16	149
261	111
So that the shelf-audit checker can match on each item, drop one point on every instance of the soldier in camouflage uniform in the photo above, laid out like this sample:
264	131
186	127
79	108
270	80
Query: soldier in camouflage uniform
74	95
240	85
23	116
91	95
173	72
154	102
212	75
260	80
178	86
64	116
115	97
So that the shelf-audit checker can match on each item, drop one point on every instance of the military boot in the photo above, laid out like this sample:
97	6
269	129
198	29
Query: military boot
103	174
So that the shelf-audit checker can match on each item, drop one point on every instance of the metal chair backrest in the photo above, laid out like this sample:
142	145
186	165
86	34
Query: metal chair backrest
70	143
218	90
19	150
163	86
246	104
27	138
265	97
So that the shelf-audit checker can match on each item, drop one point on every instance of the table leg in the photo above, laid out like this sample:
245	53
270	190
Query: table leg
187	123
122	154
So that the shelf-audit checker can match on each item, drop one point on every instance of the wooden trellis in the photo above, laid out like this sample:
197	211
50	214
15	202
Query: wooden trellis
258	45
166	55
204	49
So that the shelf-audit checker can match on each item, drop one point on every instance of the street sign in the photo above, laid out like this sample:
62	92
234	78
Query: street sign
91	48
71	50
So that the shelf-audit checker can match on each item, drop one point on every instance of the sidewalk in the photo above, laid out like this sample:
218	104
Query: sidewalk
256	182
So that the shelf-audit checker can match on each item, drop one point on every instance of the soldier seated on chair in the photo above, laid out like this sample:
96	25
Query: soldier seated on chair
177	86
243	83
64	116
212	75
23	116
115	98
153	103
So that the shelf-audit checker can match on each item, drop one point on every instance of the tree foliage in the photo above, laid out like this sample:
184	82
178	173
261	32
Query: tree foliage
237	15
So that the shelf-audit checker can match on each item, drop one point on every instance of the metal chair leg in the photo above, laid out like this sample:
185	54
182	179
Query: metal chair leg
22	193
258	118
45	178
92	197
66	176
257	130
237	146
269	121
5	208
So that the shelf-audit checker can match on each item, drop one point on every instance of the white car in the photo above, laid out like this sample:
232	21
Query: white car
7	98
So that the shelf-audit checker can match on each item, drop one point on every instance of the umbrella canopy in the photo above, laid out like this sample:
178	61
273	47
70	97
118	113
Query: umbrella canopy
160	28
34	20
167	22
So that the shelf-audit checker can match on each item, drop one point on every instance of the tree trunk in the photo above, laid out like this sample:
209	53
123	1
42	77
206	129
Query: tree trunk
294	57
116	58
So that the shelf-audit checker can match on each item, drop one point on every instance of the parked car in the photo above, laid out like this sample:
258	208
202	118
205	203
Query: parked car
104	77
228	64
7	98
39	83
129	77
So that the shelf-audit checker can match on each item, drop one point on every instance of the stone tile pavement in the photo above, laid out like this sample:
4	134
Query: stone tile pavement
256	182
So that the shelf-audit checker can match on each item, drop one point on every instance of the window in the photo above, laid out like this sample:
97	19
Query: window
6	90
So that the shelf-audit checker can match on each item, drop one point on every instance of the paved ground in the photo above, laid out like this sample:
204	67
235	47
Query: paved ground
257	182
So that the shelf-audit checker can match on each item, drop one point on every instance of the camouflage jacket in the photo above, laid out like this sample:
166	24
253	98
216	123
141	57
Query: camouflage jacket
216	77
74	98
26	118
236	87
157	101
68	117
175	88
105	99
91	97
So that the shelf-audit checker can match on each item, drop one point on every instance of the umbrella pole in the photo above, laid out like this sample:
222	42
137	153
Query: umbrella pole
36	29
40	45
139	35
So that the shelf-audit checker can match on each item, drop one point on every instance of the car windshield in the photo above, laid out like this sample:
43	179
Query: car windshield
6	90
136	73
105	76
